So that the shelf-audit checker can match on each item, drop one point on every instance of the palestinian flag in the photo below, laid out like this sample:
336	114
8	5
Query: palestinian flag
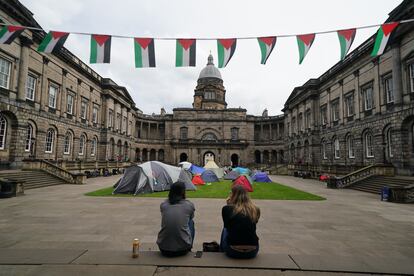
266	47
346	37
304	44
52	42
383	35
100	49
9	33
144	52
225	48
185	53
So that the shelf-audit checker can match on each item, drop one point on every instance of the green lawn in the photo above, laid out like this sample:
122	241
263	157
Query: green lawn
221	189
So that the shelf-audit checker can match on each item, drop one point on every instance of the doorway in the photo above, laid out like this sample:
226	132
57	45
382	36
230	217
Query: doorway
234	160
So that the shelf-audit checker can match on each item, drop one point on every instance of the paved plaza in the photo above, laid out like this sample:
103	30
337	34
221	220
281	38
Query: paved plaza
345	225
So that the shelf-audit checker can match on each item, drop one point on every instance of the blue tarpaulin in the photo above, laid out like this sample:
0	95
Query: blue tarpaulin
261	177
196	170
242	170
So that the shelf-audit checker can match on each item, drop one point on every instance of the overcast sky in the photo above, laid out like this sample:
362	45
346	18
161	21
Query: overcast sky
248	83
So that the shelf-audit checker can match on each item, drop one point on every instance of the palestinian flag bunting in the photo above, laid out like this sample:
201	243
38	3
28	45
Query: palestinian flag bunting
9	33
346	37
52	42
266	47
100	49
226	49
144	52
185	53
304	44
383	35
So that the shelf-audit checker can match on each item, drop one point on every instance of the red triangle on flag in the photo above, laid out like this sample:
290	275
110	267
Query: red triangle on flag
144	42
186	43
348	34
387	28
268	40
14	28
307	38
227	43
58	34
100	39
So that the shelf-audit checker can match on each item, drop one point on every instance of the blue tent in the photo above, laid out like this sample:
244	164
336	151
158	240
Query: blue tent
241	170
261	177
196	170
209	176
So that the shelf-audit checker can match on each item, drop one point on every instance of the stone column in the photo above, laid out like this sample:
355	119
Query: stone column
158	136
270	132
261	133
396	74
357	101
149	131
23	67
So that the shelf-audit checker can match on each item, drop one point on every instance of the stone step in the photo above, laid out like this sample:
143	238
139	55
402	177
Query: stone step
33	179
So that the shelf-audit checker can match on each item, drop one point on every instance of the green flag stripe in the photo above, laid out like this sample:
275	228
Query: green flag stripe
179	55
378	41
220	50
43	45
138	55
3	31
301	46
263	49
342	42
94	51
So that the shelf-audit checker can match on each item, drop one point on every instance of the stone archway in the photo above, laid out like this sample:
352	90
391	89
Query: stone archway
183	157
234	160
208	156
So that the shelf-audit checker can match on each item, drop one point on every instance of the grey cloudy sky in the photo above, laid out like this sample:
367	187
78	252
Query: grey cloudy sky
248	83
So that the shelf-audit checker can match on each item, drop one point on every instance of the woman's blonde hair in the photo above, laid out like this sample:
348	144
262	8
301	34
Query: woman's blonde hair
242	203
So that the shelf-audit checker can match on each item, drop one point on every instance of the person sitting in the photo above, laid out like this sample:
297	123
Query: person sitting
240	216
177	226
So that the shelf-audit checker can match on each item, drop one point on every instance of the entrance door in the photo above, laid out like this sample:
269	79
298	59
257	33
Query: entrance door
183	157
208	156
234	160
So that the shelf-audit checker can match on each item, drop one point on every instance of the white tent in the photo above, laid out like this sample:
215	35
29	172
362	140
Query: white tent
211	165
185	165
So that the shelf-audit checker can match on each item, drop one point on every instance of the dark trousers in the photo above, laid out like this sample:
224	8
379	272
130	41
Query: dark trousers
167	253
225	247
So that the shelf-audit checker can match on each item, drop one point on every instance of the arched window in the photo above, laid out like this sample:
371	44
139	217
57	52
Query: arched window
50	137
161	155
323	149
94	142
389	142
209	137
29	134
369	151
67	143
336	148
82	140
350	146
3	131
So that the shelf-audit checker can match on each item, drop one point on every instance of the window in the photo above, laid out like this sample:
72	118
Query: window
3	131
118	121
324	156
209	137
411	76
30	87
209	95
369	145
93	146
69	103
368	101
388	89
300	121
67	143
307	119
50	137
324	118
184	133
124	123
336	148
4	73
53	90
111	118
29	134
335	111
350	146
82	144
95	115
349	105
293	125
234	133
389	142
84	109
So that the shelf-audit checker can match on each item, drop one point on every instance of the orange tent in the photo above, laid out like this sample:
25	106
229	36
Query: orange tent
197	180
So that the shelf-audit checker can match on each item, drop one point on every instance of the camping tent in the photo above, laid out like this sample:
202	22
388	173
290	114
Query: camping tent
185	165
261	177
231	175
209	176
151	177
197	180
242	170
243	181
211	165
196	169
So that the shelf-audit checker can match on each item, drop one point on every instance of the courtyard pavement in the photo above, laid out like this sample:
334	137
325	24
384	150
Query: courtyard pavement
348	224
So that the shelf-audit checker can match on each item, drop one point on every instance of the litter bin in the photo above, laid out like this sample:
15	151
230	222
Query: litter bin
7	188
331	183
385	194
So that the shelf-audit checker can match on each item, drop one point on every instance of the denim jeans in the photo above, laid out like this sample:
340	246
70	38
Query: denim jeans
181	252
225	247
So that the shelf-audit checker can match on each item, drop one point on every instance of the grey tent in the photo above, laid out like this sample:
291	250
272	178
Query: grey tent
232	175
151	177
209	176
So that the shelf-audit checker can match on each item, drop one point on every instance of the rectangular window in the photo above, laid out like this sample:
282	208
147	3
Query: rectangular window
84	109
130	128
368	101
234	133
411	76
336	145
183	133
30	87
349	105
53	91
111	118
69	103
293	125
118	121
388	89
335	111
307	119
124	124
95	115
4	73
300	122
324	118
350	142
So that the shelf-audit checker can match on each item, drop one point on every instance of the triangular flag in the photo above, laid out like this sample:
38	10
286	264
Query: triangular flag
304	44
100	49
346	37
9	33
52	42
185	54
144	52
266	47
226	49
383	35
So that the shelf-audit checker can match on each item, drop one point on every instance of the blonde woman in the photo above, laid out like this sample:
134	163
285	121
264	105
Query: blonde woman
240	216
